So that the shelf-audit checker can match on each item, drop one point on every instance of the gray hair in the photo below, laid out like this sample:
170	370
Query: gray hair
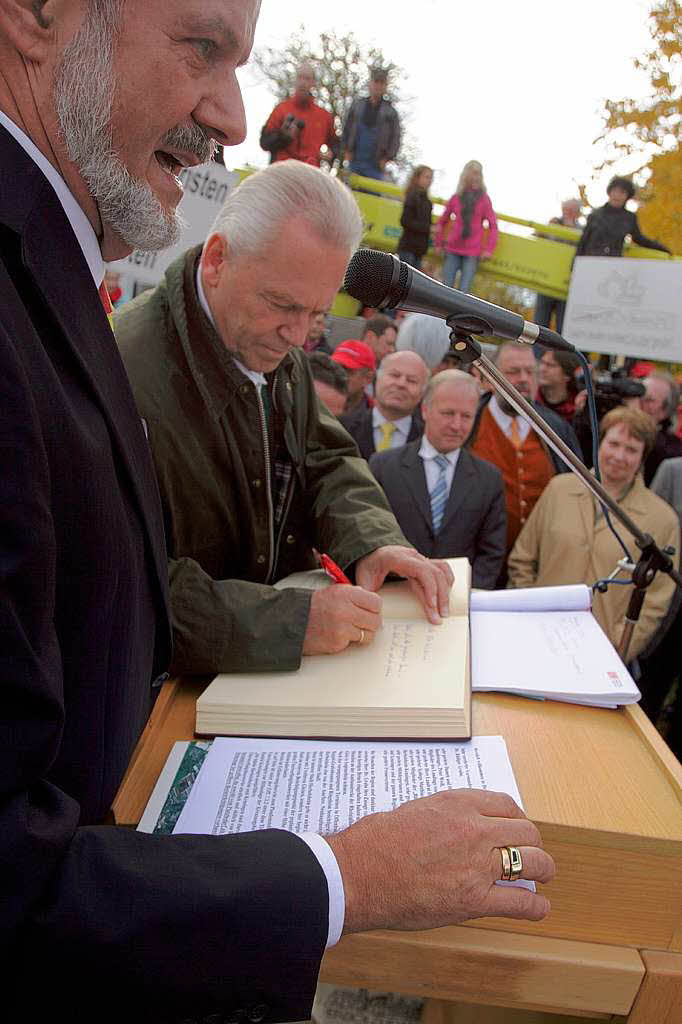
673	398
515	346
254	213
426	335
458	377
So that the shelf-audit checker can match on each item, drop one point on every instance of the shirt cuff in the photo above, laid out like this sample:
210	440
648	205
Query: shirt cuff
337	900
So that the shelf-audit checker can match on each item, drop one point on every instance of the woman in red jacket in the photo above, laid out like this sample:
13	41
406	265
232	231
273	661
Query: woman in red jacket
468	213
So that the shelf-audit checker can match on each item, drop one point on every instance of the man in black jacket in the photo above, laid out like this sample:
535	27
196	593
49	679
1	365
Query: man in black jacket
101	103
607	227
371	134
660	401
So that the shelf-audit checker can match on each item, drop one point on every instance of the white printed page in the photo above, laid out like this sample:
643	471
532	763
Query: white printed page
561	655
572	598
323	786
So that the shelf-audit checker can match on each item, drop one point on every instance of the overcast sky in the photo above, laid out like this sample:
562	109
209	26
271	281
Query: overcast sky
517	85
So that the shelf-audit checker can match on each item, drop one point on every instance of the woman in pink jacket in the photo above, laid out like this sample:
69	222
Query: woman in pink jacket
468	212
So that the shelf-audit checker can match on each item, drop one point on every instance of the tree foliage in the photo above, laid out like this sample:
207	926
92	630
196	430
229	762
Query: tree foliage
652	127
342	65
661	212
655	122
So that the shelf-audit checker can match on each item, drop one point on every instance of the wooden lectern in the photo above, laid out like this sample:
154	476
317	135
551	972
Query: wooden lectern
604	790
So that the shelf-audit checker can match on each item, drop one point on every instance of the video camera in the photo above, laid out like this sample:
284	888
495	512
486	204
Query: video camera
611	388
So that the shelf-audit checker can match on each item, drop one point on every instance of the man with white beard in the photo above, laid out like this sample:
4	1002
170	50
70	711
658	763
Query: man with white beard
101	103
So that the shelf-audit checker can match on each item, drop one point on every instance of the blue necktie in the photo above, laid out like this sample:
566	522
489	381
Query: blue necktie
439	494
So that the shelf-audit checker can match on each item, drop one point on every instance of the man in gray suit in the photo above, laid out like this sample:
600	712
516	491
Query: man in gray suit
449	503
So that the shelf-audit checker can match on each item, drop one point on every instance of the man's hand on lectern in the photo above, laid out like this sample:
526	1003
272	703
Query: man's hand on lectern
435	861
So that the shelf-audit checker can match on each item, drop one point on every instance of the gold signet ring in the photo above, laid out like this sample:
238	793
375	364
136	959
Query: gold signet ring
516	863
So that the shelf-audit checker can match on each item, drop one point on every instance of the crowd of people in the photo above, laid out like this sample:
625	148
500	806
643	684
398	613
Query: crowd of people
384	401
466	476
160	477
538	506
500	472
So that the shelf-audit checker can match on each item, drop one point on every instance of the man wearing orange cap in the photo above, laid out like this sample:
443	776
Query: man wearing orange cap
357	358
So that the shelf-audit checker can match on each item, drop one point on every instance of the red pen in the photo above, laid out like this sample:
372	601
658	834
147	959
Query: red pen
332	570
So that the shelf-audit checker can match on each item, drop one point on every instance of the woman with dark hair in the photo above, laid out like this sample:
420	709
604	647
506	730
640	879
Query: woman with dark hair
607	227
416	217
467	214
567	540
556	382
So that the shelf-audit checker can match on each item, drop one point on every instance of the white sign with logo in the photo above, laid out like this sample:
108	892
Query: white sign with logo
626	307
206	189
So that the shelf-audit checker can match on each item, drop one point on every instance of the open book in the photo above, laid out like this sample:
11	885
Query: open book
544	642
412	681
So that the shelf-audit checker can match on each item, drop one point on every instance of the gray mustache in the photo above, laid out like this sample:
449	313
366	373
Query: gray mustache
191	138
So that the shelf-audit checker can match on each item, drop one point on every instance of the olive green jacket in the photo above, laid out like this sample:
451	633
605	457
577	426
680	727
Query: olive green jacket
215	460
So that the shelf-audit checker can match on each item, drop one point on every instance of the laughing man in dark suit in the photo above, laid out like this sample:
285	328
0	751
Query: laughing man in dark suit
394	419
101	104
449	503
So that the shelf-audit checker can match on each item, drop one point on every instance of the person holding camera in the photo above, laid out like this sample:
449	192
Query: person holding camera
298	128
612	388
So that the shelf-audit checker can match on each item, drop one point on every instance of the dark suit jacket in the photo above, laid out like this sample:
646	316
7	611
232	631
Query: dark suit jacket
474	523
359	425
129	926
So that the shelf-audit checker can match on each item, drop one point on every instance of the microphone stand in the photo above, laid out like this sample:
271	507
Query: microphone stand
652	559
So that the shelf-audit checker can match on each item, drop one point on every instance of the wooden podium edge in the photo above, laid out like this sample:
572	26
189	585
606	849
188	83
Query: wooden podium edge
660	751
493	968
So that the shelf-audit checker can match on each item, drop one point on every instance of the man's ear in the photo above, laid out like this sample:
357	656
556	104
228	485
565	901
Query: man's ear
29	26
214	259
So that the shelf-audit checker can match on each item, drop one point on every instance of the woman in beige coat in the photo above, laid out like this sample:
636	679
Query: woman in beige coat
567	540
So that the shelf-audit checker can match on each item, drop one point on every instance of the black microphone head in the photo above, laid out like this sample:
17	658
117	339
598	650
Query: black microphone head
375	278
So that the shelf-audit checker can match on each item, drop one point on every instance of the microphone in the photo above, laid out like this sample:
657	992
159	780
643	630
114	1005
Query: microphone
381	280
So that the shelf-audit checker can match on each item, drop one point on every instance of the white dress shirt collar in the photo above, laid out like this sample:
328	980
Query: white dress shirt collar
82	228
504	420
427	453
402	426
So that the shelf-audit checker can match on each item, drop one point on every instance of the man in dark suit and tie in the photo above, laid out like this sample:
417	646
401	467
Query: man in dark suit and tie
394	419
101	103
449	503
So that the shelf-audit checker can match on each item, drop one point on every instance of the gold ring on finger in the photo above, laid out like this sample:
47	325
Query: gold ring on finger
516	863
362	637
506	864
